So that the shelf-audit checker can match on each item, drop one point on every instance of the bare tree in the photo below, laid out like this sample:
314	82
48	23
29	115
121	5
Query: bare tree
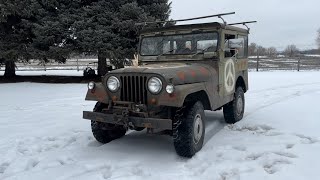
291	50
252	49
272	52
261	51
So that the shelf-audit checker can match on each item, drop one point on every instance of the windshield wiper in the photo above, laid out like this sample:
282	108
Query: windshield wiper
170	51
203	50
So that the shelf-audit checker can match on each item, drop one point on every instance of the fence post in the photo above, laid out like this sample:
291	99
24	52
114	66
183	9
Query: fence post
258	60
78	64
44	65
299	61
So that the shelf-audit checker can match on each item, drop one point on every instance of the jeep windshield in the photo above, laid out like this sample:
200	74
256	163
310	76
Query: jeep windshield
179	44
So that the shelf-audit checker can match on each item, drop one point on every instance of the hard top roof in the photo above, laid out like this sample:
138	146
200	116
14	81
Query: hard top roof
200	26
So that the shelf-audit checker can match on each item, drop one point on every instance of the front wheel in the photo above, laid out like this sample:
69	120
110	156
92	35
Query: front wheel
105	132
189	129
234	110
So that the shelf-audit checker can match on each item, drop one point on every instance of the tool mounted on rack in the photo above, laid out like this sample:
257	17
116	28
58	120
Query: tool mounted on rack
243	23
188	19
197	18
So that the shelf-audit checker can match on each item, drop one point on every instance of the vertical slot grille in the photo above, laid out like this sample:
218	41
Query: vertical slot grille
133	89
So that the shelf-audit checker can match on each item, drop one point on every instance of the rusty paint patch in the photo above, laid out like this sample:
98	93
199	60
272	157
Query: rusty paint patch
193	73
100	95
181	75
173	95
147	125
242	65
204	71
153	101
169	97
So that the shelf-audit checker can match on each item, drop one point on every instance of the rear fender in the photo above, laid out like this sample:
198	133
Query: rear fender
98	94
181	92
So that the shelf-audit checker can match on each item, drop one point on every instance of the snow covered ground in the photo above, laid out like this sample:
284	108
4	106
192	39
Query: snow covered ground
43	136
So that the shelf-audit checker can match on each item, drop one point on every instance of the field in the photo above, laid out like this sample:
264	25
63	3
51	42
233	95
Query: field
43	136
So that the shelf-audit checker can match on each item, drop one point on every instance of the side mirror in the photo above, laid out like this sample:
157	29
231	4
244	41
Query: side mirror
209	55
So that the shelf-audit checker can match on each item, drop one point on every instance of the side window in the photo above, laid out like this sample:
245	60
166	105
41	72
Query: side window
238	44
245	46
235	44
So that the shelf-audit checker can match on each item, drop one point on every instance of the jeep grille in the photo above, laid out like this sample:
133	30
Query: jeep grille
133	89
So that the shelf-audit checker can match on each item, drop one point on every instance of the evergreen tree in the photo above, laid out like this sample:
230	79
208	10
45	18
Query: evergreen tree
33	29
52	29
15	33
107	28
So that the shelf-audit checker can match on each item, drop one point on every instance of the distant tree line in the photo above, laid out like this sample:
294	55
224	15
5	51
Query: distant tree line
256	50
54	29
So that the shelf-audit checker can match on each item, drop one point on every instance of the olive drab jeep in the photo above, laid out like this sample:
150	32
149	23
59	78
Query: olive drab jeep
183	70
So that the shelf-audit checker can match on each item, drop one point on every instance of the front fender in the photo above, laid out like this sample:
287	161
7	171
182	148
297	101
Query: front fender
98	94
181	92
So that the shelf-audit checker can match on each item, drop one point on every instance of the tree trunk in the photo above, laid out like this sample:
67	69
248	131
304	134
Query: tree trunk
102	65
10	70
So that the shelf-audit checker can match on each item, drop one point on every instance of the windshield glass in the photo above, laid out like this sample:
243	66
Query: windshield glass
179	44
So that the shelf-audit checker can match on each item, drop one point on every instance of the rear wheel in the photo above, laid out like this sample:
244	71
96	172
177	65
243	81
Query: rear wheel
189	129
234	110
105	132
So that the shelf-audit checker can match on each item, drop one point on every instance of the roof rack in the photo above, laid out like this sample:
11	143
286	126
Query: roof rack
243	23
188	19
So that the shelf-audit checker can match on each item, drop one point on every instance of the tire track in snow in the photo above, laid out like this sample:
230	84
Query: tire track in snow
278	99
283	87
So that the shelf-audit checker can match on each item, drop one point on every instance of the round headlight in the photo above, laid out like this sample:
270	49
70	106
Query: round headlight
154	85
170	88
91	85
113	83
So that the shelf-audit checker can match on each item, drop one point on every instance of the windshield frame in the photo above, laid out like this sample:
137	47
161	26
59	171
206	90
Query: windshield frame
176	34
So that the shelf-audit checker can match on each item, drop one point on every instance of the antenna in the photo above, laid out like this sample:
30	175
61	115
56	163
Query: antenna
189	19
243	23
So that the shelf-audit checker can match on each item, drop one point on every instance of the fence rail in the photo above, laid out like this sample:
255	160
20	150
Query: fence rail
71	64
296	64
257	64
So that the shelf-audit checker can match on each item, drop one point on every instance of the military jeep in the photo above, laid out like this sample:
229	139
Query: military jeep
183	70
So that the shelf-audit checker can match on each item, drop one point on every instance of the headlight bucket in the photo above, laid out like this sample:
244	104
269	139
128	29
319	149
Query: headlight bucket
113	83
155	85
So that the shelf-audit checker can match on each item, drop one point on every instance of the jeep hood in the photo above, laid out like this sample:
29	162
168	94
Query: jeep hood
180	73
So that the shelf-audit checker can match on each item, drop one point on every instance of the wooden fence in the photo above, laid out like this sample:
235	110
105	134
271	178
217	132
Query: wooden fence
283	63
71	64
255	64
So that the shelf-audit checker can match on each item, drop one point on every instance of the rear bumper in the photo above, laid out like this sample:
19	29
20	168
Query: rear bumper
165	124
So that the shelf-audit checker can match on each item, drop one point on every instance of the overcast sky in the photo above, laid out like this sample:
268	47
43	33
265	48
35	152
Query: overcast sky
280	22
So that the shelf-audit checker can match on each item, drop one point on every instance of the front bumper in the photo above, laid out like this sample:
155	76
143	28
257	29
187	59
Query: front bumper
155	123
